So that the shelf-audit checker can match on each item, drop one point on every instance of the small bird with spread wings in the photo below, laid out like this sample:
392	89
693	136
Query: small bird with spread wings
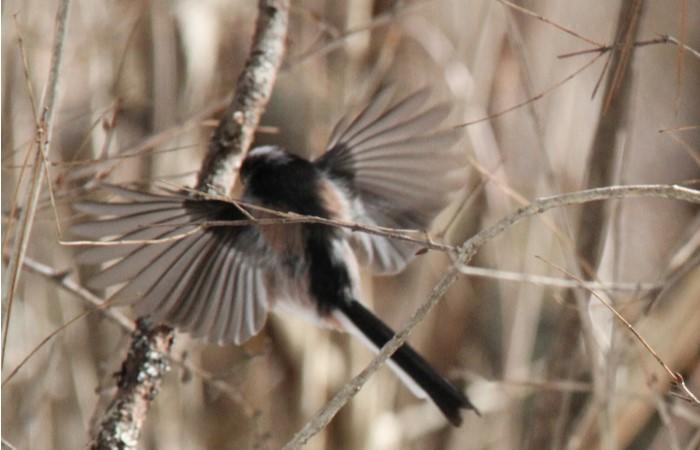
387	166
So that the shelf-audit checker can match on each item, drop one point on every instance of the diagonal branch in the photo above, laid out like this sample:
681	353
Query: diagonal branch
235	132
142	371
466	252
63	280
676	377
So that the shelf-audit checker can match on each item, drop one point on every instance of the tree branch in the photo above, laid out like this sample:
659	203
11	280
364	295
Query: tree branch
236	129
138	383
466	252
145	364
65	281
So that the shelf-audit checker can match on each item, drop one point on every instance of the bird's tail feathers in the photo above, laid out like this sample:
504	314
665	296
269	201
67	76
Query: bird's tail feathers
411	368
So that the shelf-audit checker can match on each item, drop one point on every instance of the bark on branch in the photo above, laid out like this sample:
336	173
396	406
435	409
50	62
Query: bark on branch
138	383
236	129
145	364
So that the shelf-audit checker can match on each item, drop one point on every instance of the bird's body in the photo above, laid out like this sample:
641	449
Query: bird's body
317	253
220	282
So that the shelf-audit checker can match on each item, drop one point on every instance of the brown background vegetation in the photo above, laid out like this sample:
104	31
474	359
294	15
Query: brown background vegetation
140	87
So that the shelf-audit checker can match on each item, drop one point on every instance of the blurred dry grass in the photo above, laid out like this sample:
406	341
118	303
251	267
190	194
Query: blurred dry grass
140	81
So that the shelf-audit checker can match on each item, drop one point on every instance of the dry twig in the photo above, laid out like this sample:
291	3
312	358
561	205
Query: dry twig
43	138
551	411
663	39
466	252
547	21
98	304
282	218
676	377
535	98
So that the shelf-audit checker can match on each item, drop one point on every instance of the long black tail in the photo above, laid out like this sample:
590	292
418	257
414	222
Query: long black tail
448	398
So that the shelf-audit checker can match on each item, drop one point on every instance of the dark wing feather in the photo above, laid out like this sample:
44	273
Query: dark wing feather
206	281
399	169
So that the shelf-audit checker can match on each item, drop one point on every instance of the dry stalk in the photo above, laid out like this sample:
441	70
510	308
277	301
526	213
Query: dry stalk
43	138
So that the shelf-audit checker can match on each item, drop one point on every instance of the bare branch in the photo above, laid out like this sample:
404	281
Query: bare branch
551	410
663	39
580	197
146	363
236	129
281	218
676	377
138	383
63	280
43	136
536	97
399	8
547	21
466	252
544	280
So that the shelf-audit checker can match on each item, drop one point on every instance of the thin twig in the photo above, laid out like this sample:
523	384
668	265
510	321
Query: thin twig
680	54
282	218
663	39
543	280
338	40
288	218
676	377
14	207
576	198
627	32
98	304
44	134
63	279
681	128
43	342
25	69
549	22
466	252
534	98
30	91
693	153
175	237
683	45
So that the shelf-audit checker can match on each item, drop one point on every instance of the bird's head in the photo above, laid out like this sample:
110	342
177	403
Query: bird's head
261	158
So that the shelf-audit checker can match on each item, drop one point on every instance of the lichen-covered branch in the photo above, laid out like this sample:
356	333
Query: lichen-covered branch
145	364
138	383
235	132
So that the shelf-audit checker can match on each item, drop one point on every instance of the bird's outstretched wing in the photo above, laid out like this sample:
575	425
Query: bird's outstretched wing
400	171
209	281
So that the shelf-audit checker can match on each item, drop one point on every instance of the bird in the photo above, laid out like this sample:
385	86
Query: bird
387	166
